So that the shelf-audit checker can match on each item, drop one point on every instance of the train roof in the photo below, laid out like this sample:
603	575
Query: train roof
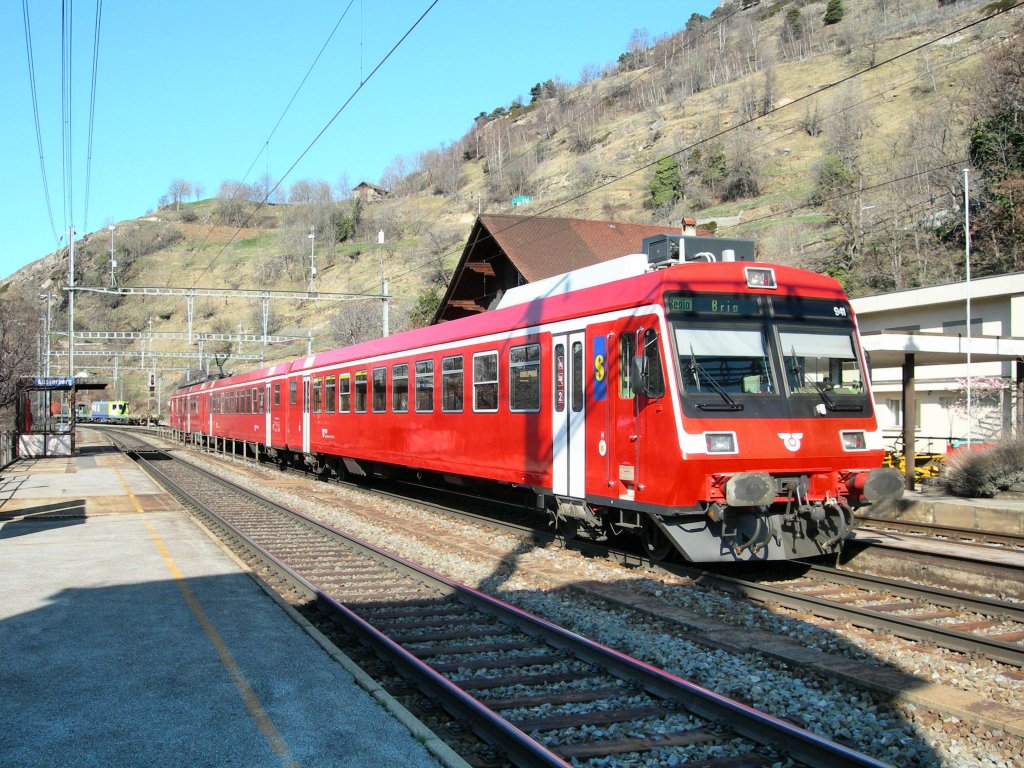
614	285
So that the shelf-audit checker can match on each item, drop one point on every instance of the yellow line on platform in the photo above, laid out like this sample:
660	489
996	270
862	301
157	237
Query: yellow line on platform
252	702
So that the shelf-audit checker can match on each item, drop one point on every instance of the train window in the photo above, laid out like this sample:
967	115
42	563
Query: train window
380	389
627	349
400	388
318	394
524	379
329	386
729	360
344	393
255	400
577	376
293	391
360	391
652	353
451	384
277	394
485	382
424	386
817	362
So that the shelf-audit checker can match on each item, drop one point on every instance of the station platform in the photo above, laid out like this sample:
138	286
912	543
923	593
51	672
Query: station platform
129	637
1002	514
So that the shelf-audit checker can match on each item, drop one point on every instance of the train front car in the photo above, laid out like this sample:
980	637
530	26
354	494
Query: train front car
775	419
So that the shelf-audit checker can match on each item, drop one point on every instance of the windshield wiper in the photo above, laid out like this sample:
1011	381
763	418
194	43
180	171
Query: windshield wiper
830	404
698	371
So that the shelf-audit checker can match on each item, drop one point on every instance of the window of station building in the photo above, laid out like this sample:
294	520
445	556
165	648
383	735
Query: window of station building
485	382
424	386
318	394
329	387
344	393
627	350
524	379
451	384
360	391
380	389
293	391
277	395
400	388
577	376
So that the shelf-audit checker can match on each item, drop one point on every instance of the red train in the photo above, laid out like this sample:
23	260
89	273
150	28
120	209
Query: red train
710	404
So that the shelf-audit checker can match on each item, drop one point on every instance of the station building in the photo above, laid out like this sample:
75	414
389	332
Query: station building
918	345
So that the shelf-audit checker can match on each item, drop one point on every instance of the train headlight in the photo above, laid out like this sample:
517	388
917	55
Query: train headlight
720	442
855	441
760	277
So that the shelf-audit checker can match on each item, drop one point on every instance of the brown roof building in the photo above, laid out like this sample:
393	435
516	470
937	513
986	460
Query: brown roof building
505	251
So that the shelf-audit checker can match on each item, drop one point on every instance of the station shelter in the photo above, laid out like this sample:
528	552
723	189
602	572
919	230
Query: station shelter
45	415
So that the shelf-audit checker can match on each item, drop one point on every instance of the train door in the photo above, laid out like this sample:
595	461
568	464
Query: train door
305	414
568	427
266	409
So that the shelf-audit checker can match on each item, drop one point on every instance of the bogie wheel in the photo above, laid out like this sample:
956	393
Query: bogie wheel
656	544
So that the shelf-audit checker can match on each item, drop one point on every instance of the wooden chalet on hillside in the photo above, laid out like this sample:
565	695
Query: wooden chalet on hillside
369	193
506	251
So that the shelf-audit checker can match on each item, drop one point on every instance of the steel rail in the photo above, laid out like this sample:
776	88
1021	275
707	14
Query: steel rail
761	727
909	629
496	730
948	531
906	628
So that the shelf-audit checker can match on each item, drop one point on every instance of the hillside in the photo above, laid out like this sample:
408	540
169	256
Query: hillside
837	147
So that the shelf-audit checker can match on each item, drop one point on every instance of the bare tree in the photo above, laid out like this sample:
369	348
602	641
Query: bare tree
19	324
356	321
197	189
178	191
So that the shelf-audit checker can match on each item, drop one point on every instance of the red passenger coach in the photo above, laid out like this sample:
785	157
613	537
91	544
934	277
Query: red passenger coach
712	405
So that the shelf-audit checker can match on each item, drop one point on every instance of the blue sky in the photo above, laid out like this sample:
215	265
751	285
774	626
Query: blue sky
193	89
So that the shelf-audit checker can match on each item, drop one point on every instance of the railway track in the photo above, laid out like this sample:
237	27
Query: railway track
539	694
957	621
967	535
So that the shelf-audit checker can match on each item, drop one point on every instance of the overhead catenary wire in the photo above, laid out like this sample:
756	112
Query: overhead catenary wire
319	135
725	131
265	147
35	114
92	110
65	108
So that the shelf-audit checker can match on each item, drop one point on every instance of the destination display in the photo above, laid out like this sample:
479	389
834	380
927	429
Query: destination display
713	305
811	309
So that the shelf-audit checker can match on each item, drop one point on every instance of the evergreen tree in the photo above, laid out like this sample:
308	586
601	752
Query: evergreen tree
667	184
834	12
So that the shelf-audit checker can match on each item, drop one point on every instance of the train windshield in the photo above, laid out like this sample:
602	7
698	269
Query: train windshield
821	362
766	355
729	360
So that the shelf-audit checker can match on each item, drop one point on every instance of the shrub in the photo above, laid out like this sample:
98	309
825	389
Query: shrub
984	473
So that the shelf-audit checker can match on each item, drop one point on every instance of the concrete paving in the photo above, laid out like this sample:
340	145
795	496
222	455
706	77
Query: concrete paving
1003	514
129	638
